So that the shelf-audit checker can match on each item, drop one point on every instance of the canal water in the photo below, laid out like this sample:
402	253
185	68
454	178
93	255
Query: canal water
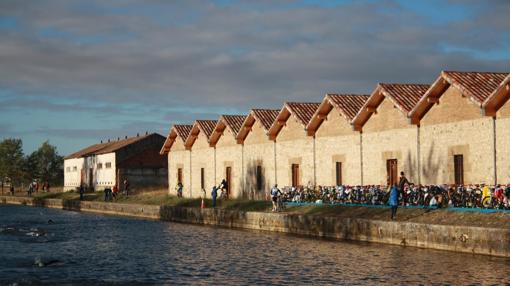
46	246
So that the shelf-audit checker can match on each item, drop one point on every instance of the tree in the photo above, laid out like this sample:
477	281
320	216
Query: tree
11	160
46	165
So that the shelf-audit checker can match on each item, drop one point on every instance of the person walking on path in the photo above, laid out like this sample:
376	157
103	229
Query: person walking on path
393	201
115	191
214	195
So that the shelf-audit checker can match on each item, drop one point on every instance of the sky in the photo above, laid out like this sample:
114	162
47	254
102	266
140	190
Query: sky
75	72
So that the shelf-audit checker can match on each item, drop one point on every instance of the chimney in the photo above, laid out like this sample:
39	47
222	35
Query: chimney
137	134
108	140
125	137
146	132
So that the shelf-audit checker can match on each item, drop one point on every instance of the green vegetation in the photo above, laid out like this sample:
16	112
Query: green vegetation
44	164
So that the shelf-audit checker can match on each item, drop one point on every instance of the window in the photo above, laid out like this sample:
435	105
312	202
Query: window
458	168
259	178
108	165
179	175
338	173
100	165
75	168
295	175
202	178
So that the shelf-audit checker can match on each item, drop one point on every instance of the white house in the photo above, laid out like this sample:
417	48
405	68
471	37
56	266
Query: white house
103	165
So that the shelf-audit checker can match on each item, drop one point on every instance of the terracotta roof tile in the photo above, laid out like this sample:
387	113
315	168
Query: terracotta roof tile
107	147
349	104
304	111
405	95
87	151
183	130
479	85
116	145
266	116
235	122
207	126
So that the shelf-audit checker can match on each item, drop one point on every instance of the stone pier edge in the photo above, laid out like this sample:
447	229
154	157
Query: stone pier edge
466	239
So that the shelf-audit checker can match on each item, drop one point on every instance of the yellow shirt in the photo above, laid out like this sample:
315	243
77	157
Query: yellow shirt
486	192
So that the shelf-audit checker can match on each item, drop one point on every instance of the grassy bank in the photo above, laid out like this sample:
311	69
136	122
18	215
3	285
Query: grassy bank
439	216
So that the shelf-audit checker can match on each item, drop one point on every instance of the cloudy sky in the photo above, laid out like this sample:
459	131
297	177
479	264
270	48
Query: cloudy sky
77	72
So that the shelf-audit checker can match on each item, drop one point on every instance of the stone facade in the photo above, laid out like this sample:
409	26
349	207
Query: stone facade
229	155
202	157
258	155
455	126
179	158
502	146
336	141
388	135
293	146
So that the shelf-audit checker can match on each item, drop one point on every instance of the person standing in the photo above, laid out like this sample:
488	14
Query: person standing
126	187
214	195
179	189
81	190
393	201
12	190
274	197
224	189
115	190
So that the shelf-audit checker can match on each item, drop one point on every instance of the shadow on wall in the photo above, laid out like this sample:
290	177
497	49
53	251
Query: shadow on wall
430	167
252	189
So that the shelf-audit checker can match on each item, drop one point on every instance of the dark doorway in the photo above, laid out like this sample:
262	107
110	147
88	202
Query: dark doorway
228	177
338	173
295	175
458	168
392	171
91	178
179	175
202	178
259	178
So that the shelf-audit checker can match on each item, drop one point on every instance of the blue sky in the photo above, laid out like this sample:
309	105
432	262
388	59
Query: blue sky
77	72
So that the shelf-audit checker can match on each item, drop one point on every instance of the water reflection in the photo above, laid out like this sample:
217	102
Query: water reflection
93	249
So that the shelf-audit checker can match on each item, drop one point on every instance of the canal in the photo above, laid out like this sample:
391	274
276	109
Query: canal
46	246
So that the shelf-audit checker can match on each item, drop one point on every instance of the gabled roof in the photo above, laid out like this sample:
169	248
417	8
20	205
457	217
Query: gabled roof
347	105
477	86
233	122
205	126
266	118
108	147
302	111
403	96
498	98
178	130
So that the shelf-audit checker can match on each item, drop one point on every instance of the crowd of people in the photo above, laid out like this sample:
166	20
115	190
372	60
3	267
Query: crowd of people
34	187
407	194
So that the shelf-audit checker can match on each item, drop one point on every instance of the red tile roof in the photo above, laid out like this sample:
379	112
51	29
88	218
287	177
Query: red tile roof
207	126
349	104
404	95
303	111
478	85
235	122
266	117
183	130
107	147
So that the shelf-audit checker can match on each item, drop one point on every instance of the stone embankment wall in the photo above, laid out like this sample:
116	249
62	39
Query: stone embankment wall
477	240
